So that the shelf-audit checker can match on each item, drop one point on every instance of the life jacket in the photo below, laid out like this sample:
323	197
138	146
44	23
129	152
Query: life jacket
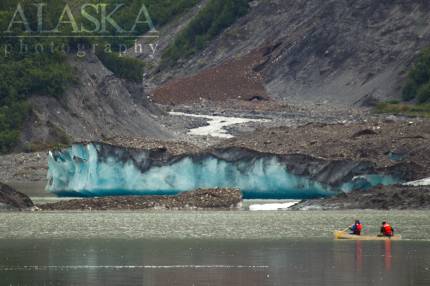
388	230
357	229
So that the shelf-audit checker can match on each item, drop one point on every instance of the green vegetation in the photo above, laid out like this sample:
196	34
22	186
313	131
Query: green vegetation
161	12
417	90
23	74
13	112
422	110
418	83
211	21
123	67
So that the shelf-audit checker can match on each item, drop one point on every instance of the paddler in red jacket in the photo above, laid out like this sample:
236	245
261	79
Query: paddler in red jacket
386	229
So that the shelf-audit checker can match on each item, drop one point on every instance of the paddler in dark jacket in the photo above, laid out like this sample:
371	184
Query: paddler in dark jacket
356	228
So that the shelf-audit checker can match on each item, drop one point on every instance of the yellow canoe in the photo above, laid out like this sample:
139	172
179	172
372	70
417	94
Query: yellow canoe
338	234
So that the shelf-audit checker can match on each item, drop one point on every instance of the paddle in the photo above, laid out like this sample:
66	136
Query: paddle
345	229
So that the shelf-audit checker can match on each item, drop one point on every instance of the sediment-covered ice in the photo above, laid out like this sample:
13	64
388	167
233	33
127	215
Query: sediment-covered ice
95	170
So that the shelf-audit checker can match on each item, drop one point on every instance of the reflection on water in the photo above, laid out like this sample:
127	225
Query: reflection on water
213	262
210	248
358	256
388	257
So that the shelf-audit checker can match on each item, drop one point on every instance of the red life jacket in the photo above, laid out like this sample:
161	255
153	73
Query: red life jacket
388	231
358	228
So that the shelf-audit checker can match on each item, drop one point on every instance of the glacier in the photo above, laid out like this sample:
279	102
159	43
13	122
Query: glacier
96	169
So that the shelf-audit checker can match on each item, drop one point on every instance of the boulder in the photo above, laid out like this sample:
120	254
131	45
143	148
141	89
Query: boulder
10	199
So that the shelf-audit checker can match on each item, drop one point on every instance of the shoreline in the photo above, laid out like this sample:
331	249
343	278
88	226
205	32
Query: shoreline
193	200
382	198
211	224
394	197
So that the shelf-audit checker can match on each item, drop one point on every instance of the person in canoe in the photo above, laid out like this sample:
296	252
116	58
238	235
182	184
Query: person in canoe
356	228
386	229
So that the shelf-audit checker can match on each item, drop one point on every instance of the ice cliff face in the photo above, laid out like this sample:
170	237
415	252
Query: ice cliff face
97	169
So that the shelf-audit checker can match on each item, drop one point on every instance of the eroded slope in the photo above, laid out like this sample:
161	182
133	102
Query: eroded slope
317	50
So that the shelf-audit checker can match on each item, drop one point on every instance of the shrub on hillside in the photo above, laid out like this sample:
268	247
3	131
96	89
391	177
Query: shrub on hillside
418	83
210	22
25	74
423	94
123	67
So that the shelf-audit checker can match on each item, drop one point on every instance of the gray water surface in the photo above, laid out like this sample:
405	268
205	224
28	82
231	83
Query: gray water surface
206	224
213	262
210	248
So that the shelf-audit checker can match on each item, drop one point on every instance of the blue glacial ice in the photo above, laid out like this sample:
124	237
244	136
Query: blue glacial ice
89	170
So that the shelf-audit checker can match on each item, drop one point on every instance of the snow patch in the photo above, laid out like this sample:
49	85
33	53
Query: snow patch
272	206
217	124
423	182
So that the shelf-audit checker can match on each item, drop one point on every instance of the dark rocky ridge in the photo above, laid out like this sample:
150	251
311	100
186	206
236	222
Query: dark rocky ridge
301	51
382	197
98	106
199	199
10	199
339	52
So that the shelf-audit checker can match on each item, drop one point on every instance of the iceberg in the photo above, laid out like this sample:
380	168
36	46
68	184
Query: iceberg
97	169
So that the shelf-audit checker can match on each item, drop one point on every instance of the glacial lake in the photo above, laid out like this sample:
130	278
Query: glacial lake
210	248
